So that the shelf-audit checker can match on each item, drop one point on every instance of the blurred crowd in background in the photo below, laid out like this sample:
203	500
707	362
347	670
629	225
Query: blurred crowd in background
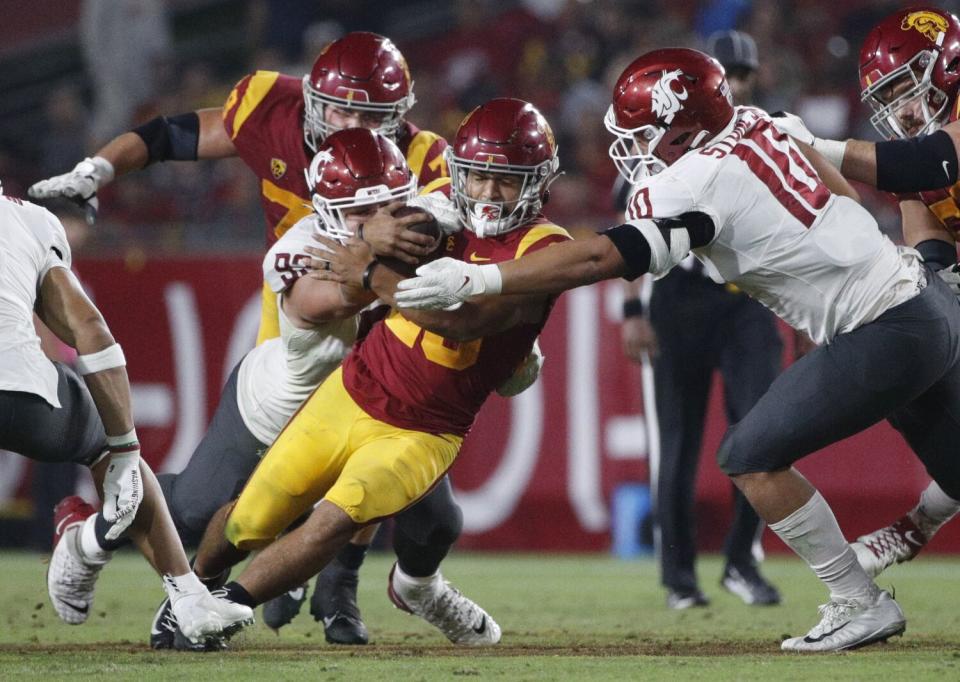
77	72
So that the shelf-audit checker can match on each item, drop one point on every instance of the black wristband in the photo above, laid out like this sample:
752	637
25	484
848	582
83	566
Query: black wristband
632	307
368	274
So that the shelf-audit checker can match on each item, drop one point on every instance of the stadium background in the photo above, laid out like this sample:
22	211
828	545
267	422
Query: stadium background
173	260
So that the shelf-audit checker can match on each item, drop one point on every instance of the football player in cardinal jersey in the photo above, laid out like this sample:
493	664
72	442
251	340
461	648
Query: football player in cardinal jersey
382	430
275	123
50	415
725	183
910	75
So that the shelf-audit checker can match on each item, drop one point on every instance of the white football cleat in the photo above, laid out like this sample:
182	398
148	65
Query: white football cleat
443	606
201	615
900	541
71	578
850	624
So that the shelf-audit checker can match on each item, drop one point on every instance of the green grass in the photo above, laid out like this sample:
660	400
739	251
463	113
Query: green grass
563	617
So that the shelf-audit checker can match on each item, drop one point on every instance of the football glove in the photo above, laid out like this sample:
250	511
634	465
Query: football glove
122	492
525	375
80	184
446	283
440	207
793	125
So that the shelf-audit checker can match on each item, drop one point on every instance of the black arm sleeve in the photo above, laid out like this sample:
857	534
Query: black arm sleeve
917	164
633	247
937	253
173	138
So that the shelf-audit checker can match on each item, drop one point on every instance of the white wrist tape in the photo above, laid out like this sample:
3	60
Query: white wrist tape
663	256
108	358
831	150
127	441
492	279
99	169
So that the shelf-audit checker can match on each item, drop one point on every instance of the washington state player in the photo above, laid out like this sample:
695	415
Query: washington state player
275	123
910	75
726	184
379	433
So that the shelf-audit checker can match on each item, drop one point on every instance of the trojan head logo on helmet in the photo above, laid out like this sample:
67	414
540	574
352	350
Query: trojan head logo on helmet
910	71
356	168
666	103
503	137
363	73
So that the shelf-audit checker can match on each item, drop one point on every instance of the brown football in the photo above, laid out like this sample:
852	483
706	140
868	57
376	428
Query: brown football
428	227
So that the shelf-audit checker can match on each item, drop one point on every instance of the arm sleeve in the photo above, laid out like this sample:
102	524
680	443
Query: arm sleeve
916	164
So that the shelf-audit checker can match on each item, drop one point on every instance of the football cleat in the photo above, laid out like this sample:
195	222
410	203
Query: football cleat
747	583
205	618
164	627
334	603
281	610
900	541
680	600
70	577
850	624
443	606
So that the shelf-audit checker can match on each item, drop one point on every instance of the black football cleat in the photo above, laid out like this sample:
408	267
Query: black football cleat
334	603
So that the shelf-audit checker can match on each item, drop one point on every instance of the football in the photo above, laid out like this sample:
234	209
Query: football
428	227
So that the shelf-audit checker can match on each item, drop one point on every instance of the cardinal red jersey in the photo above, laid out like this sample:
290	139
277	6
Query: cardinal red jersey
414	379
264	117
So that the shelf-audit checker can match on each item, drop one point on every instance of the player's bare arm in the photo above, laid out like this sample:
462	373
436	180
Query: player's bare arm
831	177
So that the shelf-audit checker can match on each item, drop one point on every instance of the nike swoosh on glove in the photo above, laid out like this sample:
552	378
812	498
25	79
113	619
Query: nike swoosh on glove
446	283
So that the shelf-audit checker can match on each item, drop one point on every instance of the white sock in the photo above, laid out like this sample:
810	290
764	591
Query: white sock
934	510
182	585
90	549
813	533
402	580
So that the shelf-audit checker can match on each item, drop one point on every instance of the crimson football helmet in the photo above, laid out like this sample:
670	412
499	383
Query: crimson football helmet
362	72
506	136
666	103
918	47
356	167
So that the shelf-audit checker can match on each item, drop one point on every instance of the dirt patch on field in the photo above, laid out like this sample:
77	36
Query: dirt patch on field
661	649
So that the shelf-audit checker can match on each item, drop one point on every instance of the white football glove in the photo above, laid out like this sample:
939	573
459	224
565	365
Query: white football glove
122	492
793	125
440	207
951	276
525	375
446	283
80	184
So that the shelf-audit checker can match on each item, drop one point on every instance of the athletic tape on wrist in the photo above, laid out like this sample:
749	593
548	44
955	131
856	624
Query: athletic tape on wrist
126	443
831	150
108	358
492	279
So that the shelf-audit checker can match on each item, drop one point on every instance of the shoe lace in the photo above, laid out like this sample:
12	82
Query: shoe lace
892	541
834	613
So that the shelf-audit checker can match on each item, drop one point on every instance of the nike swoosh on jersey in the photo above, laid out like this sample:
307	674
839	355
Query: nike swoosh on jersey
479	259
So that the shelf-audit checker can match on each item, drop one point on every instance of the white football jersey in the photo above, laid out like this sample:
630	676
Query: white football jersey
816	259
32	242
278	375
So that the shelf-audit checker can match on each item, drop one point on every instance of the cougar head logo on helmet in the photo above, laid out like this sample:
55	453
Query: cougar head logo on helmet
666	103
910	71
664	100
353	168
504	136
361	72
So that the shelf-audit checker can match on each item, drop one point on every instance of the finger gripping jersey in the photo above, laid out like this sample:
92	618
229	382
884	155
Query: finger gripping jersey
414	379
264	117
817	260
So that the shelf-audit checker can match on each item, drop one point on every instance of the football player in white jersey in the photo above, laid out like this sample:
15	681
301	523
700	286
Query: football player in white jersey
50	416
726	184
908	75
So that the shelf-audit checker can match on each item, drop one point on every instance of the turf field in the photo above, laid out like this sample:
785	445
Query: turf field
563	617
